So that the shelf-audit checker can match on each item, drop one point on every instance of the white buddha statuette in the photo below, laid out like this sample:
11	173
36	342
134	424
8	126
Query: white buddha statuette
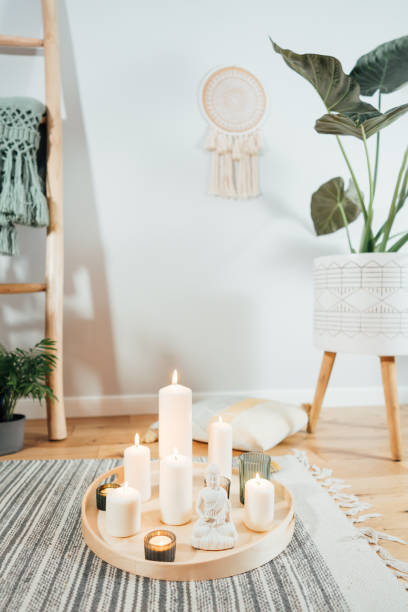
214	529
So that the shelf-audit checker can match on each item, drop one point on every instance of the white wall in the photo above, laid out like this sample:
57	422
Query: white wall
158	274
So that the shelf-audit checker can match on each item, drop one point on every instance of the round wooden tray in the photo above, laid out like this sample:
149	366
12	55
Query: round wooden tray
252	549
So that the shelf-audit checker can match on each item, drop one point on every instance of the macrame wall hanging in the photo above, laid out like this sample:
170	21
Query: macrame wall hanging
22	169
234	102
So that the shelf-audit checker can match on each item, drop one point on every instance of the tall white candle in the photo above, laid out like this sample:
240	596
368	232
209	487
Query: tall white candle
259	504
176	489
137	468
123	507
175	419
220	446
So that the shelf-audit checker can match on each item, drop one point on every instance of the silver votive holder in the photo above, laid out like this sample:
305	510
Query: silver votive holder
101	493
160	545
250	464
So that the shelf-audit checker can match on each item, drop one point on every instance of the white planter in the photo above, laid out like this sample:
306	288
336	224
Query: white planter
361	303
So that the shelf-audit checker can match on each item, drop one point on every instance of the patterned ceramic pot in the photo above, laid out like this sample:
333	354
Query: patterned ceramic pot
361	303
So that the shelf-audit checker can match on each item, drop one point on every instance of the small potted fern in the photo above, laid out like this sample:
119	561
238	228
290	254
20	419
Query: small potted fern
361	299
23	373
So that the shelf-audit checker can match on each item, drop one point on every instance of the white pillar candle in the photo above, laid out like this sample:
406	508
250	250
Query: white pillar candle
220	446
259	504
123	507
176	489
137	468
175	419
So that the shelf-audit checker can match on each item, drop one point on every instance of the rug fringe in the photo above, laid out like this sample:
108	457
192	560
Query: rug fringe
351	506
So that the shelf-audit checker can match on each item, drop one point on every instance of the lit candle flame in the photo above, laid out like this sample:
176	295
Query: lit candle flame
174	378
257	479
220	419
137	440
175	453
125	485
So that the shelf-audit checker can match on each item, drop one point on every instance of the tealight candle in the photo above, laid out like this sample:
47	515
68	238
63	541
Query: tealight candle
137	468
101	493
175	419
220	446
160	545
160	540
259	504
123	511
176	489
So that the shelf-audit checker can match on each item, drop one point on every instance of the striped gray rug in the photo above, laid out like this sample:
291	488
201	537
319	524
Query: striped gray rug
45	565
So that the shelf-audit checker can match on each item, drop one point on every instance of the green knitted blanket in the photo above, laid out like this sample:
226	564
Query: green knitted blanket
22	169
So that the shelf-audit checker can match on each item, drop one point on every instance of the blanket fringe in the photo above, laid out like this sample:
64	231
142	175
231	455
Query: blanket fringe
353	506
22	169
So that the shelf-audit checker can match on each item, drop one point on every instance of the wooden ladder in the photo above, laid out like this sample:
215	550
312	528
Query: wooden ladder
54	266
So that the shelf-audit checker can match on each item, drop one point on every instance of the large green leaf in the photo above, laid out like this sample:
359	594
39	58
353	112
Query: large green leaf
329	203
349	124
339	92
384	68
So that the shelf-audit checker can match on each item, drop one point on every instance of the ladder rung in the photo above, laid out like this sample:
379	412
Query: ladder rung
20	41
22	287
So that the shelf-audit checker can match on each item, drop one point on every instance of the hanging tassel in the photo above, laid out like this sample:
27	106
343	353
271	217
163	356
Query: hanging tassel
211	141
234	164
254	146
39	214
229	175
229	187
19	202
236	147
8	240
214	181
6	188
241	167
244	170
211	145
22	198
226	179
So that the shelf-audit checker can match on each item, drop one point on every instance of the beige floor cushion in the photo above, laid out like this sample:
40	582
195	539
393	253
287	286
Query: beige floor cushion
257	424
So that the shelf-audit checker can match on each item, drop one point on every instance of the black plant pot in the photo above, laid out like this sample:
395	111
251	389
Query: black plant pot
12	434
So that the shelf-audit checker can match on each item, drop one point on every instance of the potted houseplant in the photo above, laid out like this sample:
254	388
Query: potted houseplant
23	373
361	299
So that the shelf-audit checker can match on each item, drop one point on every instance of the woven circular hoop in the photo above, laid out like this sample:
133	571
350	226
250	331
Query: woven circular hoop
233	100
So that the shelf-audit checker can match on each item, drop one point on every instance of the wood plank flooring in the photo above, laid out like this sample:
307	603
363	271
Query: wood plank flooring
351	441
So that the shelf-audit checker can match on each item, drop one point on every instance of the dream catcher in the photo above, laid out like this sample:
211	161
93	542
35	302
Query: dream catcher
234	102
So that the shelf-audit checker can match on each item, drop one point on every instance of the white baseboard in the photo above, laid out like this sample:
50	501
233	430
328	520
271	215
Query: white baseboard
113	405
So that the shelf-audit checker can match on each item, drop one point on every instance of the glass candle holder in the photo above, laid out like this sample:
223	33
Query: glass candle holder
101	493
225	483
160	545
251	464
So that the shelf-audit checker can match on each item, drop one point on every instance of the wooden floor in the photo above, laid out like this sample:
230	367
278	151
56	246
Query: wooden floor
351	441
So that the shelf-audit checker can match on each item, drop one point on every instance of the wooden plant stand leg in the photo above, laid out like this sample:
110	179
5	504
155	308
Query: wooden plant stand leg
389	379
323	381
